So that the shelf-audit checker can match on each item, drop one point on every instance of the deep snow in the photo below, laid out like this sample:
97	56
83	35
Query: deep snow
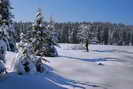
77	69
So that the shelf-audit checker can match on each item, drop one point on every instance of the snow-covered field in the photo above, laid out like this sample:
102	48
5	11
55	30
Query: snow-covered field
77	69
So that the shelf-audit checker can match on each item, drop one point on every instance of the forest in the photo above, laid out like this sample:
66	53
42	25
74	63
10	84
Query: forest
105	33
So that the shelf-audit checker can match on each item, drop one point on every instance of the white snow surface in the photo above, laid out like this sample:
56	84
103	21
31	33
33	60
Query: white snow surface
77	69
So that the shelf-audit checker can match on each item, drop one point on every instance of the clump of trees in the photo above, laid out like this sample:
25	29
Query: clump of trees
37	41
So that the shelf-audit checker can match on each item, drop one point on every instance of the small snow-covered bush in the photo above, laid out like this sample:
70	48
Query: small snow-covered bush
24	59
27	61
24	65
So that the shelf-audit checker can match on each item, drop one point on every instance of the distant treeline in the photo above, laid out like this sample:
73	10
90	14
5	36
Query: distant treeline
106	33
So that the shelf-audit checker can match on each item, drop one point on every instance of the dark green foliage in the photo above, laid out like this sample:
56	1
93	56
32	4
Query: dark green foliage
6	25
5	12
106	33
40	37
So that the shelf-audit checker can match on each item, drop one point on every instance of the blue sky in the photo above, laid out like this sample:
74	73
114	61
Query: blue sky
117	11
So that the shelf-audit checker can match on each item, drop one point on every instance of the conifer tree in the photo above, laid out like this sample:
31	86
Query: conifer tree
7	25
36	42
41	38
6	33
3	49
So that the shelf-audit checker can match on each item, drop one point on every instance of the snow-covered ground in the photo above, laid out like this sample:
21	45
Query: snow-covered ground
77	69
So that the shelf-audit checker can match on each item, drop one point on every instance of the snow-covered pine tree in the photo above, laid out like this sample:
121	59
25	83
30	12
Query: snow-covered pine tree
5	20
27	61
41	38
36	42
7	25
86	35
3	49
25	58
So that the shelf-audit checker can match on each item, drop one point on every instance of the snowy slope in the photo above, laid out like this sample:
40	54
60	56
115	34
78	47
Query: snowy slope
77	69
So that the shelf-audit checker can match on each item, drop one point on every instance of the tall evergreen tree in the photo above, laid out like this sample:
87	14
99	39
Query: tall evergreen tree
41	37
43	40
6	23
5	32
3	49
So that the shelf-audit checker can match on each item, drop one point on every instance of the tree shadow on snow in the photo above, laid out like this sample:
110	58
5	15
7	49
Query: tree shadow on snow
58	79
107	51
100	59
94	59
47	80
114	50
